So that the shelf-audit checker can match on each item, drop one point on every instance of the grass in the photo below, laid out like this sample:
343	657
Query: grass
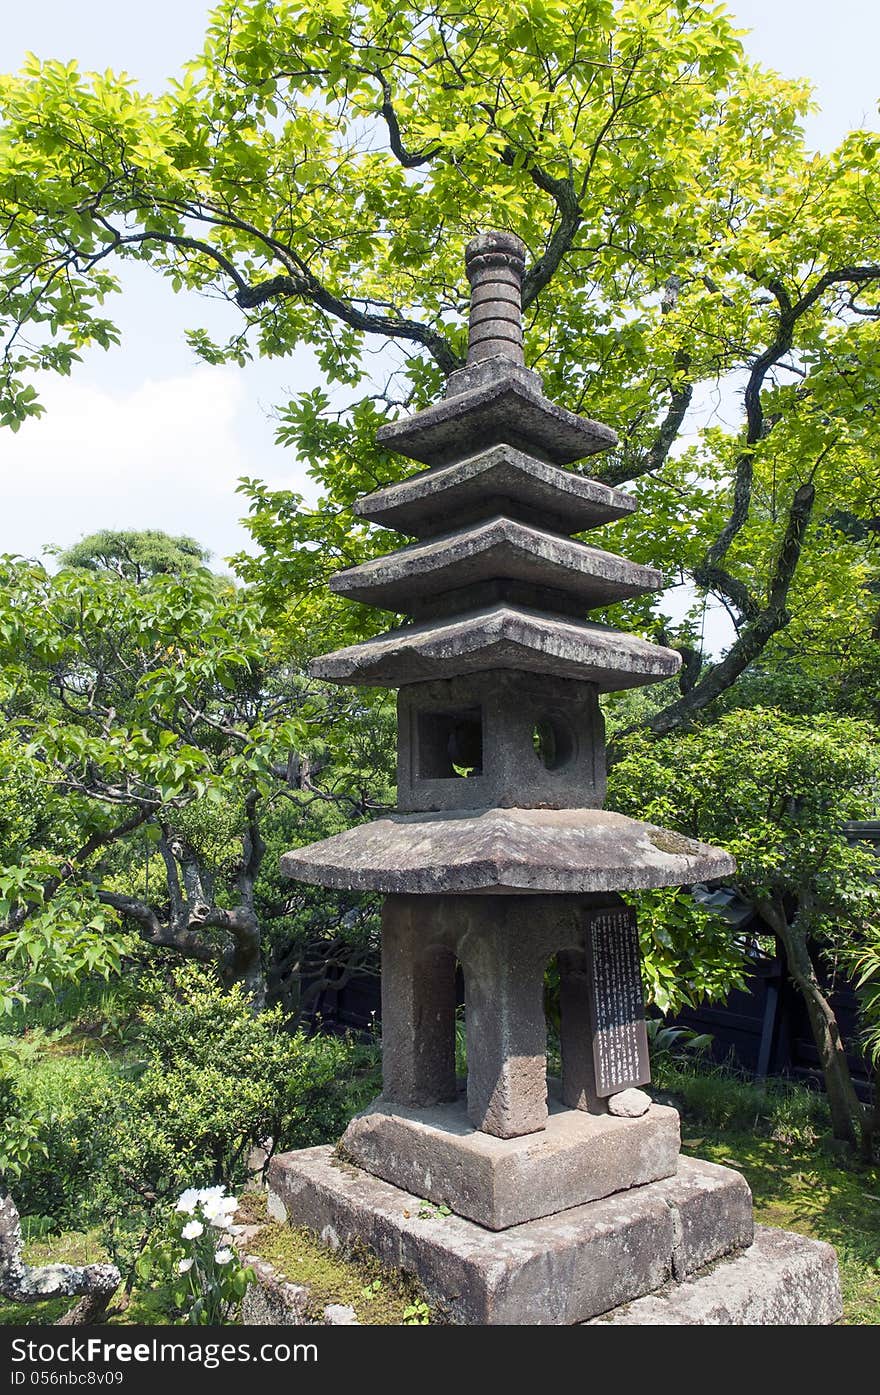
778	1136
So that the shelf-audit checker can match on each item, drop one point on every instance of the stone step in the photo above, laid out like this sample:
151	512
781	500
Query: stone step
435	1152
498	548
558	1270
553	851
508	407
501	480
500	637
782	1280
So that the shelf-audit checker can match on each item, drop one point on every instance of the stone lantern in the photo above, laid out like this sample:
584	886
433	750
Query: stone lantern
569	1201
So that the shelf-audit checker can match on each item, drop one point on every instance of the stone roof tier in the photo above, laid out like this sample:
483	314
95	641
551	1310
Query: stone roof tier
506	850
500	637
498	548
501	479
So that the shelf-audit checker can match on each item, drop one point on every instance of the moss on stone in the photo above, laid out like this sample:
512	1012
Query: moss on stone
667	841
355	1278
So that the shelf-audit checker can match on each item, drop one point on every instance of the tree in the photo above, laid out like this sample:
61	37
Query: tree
157	727
321	165
776	791
136	555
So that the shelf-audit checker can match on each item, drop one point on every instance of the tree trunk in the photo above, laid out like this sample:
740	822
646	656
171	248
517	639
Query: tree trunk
849	1120
244	961
95	1284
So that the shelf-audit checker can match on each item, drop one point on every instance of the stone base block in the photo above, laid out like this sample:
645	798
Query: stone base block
559	1270
782	1280
436	1153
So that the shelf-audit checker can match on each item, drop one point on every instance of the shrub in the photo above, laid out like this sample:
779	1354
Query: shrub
219	1080
67	1108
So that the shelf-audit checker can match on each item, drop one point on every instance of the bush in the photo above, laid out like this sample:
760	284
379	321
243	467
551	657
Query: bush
109	1142
218	1081
68	1109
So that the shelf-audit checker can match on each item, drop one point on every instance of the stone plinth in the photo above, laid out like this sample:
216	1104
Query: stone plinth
500	1182
562	1269
782	1280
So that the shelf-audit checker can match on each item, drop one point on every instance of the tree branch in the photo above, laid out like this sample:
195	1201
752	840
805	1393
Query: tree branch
756	635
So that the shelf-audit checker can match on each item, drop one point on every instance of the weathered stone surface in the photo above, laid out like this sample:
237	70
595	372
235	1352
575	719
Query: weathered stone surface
497	547
504	1023
488	724
418	1012
559	1270
783	1280
629	1104
579	1157
270	1300
509	409
701	1232
506	850
576	1034
340	1315
495	262
500	637
500	480
502	944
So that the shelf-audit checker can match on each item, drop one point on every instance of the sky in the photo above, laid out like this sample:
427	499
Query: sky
146	436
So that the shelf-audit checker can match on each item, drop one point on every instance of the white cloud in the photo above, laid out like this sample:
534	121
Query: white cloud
166	454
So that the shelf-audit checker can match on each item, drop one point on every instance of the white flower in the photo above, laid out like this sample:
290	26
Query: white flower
187	1200
192	1230
223	1256
209	1196
220	1212
184	1266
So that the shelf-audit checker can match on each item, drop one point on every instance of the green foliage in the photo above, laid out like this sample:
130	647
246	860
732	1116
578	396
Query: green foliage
135	555
864	961
323	165
87	1137
775	791
219	1079
688	954
58	1135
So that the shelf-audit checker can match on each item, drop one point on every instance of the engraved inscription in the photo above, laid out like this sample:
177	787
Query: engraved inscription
617	1005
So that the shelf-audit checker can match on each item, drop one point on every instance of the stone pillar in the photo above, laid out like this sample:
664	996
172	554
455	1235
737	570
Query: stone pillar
495	263
576	1035
418	1005
504	1018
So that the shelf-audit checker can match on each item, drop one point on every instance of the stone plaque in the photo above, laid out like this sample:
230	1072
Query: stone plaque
617	1005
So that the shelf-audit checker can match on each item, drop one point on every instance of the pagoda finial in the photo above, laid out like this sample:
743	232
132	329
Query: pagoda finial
495	262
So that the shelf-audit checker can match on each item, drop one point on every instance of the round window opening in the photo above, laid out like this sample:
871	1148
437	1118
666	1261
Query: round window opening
554	743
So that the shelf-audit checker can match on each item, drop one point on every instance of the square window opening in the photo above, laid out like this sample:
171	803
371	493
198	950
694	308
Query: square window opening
450	744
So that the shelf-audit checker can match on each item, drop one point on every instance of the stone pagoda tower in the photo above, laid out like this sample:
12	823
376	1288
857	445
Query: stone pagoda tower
569	1202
